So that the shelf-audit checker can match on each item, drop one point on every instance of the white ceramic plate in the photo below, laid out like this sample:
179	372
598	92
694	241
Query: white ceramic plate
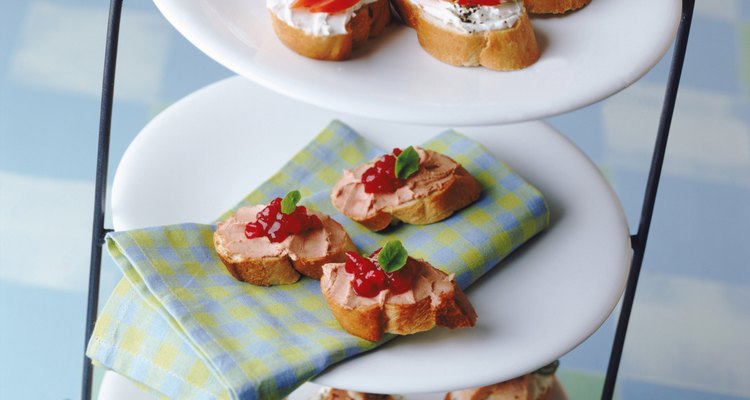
206	152
586	56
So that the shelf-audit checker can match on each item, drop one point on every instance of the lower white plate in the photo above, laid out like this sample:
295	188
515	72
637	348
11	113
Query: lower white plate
206	152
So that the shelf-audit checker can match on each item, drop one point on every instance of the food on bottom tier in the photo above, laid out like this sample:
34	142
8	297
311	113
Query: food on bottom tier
340	394
533	386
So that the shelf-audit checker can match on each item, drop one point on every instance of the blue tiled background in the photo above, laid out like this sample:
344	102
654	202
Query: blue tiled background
690	329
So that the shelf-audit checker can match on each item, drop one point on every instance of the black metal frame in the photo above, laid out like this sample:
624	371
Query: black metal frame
638	240
102	162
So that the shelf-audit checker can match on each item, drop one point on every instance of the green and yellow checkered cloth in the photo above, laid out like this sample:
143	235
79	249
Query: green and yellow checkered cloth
181	325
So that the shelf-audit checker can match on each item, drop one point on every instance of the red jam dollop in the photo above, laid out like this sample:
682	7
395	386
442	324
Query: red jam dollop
369	279
381	177
277	226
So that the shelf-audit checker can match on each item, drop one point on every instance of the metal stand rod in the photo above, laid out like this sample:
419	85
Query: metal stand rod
102	161
640	238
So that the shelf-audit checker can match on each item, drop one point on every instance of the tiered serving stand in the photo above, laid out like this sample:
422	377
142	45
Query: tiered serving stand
204	153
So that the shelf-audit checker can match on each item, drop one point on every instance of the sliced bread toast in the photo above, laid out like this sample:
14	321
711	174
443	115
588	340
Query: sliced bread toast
434	299
497	37
434	192
328	37
262	262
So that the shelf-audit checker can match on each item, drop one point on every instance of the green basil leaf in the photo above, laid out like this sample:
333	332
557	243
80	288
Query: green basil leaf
289	203
392	256
549	369
407	163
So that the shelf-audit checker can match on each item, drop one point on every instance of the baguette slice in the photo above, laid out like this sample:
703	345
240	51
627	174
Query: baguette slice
533	386
439	188
499	49
367	21
267	263
554	6
434	299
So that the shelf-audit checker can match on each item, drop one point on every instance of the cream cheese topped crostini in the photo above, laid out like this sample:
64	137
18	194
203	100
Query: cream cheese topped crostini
327	29
496	34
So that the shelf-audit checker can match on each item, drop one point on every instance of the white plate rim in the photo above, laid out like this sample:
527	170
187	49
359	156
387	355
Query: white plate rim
586	77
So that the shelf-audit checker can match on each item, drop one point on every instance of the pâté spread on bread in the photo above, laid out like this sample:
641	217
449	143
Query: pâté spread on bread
327	29
417	186
394	293
536	385
273	244
329	393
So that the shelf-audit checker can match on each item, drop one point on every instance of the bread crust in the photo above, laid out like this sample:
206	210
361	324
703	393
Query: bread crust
369	21
370	322
313	267
524	387
261	271
365	322
462	191
283	270
554	6
340	394
503	50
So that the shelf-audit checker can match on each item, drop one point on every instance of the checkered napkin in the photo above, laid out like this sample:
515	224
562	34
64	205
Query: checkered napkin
181	325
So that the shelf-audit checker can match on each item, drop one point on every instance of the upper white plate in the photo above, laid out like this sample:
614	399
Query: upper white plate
586	56
202	155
